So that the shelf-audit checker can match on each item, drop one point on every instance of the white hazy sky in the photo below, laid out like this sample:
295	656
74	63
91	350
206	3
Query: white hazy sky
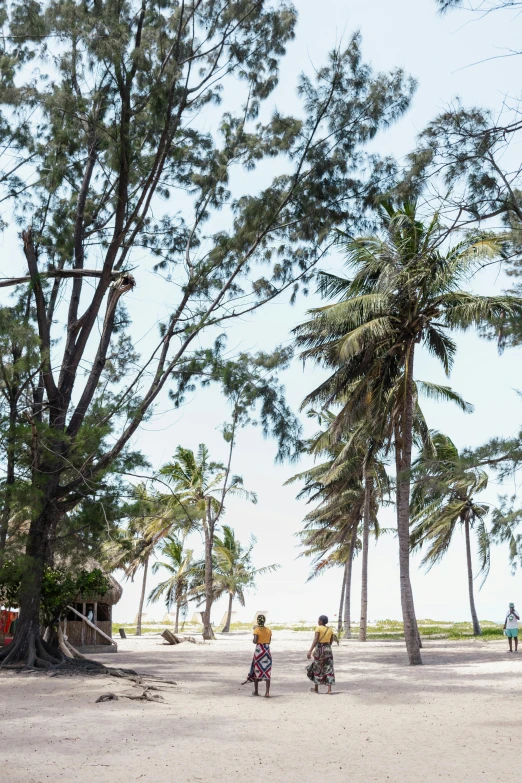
438	52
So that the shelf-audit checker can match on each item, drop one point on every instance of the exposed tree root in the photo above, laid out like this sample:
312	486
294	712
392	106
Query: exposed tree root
32	653
156	698
66	647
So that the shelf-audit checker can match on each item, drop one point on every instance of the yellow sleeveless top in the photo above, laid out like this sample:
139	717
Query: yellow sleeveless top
264	634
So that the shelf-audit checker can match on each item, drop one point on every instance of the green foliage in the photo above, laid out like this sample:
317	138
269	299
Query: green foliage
10	577
444	500
179	563
250	384
336	485
233	571
60	587
405	290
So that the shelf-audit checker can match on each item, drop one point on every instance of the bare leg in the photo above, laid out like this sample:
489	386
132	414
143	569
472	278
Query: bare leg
329	690
510	640
315	689
267	691
516	643
255	692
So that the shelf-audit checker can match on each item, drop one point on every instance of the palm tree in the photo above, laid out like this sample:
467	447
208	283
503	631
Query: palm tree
405	291
328	549
133	547
179	564
349	485
443	500
330	532
201	486
233	571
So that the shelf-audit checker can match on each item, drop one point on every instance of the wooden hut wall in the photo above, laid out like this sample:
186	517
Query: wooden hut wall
80	634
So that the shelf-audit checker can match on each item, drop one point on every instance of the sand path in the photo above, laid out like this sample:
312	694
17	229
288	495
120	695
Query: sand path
457	718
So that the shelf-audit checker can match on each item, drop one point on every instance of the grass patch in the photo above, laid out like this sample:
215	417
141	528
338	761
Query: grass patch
381	630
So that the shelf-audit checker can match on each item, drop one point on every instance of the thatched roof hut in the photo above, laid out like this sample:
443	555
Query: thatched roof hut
88	624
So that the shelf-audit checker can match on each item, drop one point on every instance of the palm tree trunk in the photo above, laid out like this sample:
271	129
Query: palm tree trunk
476	625
226	629
348	588
142	598
365	541
341	603
208	633
403	450
176	624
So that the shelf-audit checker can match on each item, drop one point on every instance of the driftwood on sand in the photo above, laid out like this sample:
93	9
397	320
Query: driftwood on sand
173	638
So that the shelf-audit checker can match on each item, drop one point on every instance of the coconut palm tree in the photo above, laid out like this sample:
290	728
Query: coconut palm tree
233	570
179	563
330	532
444	500
132	548
349	486
200	487
406	291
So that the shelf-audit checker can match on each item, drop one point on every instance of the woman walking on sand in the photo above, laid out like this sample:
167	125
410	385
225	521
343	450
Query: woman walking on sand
321	671
261	666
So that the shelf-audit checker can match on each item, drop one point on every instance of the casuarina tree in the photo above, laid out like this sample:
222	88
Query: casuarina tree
113	171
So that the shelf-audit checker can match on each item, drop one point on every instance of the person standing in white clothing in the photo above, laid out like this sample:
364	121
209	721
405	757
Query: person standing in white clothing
511	627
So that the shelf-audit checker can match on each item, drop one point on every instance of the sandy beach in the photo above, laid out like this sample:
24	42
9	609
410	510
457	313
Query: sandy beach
458	717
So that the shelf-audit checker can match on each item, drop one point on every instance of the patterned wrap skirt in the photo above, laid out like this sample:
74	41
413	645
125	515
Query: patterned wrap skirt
321	670
261	667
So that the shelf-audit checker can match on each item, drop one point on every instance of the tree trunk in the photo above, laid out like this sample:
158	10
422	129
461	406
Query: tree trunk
208	633
142	598
28	646
9	480
476	625
226	629
347	621
341	603
176	624
403	451
365	541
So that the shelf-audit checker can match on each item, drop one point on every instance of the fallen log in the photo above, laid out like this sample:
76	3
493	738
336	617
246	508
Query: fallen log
170	637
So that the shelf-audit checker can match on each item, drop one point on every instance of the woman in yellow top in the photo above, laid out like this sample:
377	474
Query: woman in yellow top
321	671
261	667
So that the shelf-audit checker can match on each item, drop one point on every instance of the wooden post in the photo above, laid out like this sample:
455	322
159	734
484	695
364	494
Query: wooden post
84	609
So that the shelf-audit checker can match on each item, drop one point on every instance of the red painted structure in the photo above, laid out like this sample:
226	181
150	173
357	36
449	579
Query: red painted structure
7	618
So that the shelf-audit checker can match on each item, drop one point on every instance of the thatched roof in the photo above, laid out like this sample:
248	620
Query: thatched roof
113	594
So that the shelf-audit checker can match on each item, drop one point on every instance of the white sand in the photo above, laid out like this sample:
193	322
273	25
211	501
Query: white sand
458	718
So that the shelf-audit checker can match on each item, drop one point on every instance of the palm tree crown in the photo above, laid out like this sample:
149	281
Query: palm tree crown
443	500
233	569
179	564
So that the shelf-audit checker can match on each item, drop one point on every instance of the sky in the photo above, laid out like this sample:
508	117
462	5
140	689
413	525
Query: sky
439	52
